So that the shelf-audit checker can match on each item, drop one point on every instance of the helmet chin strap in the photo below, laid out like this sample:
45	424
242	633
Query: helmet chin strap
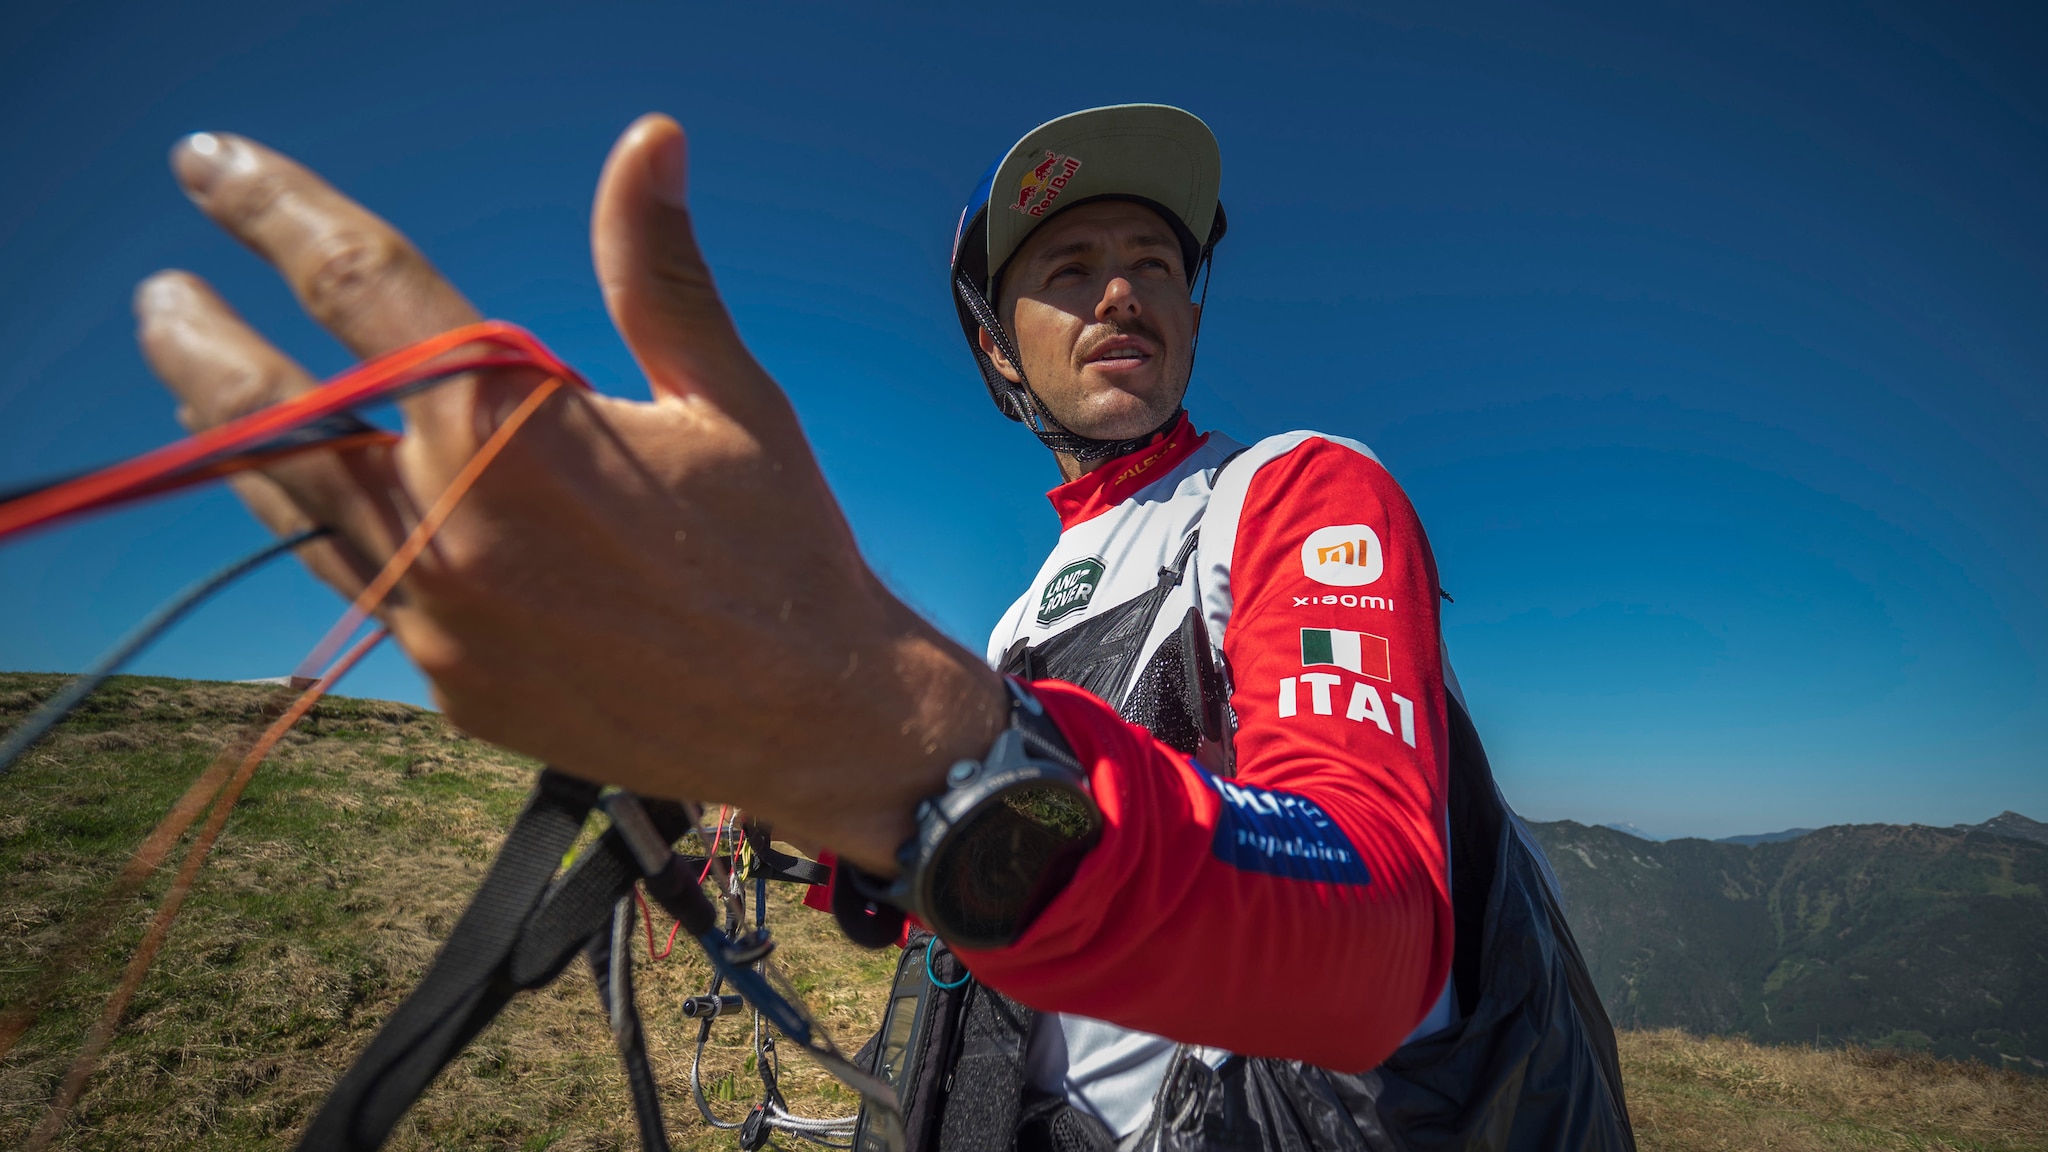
1020	402
1087	449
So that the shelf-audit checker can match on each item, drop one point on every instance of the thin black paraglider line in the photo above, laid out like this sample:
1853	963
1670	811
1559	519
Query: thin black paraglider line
339	428
223	799
317	434
57	707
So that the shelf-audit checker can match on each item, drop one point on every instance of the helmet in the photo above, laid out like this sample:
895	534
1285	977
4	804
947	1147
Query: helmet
1156	155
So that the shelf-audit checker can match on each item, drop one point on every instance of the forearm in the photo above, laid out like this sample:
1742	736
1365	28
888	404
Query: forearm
1243	921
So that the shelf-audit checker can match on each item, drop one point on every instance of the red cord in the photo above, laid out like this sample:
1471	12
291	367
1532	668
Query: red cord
647	918
190	459
723	809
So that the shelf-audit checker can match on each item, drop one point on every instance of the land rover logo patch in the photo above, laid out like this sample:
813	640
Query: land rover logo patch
1069	590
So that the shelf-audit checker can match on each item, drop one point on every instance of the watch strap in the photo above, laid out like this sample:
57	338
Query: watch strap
1030	750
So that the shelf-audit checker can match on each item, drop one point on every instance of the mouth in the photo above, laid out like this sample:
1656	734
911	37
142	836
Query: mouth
1119	354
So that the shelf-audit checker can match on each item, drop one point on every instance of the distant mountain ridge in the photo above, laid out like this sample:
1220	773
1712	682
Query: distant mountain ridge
1904	936
1627	829
1765	837
2006	823
2011	823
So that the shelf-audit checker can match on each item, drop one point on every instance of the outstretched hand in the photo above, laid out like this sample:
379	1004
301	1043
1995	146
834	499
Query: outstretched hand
659	595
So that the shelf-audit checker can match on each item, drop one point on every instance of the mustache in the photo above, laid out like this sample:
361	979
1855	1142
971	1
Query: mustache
1137	328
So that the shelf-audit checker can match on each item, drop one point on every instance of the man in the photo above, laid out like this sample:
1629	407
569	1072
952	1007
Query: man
607	595
1310	573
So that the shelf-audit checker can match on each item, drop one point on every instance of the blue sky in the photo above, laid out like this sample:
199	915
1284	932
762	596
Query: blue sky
1708	339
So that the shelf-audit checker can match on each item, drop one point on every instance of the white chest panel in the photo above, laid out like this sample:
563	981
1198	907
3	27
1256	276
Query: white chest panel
1119	555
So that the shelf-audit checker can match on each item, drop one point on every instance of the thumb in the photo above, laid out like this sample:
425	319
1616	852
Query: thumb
656	284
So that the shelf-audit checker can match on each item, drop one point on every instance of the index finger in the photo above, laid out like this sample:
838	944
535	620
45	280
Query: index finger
354	273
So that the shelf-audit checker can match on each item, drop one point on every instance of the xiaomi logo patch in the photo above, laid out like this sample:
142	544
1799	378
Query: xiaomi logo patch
1343	555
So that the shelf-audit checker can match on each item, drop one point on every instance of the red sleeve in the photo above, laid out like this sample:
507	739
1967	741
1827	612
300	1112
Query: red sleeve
1302	909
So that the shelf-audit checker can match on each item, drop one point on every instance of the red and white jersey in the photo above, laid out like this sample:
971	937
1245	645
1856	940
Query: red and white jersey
1300	908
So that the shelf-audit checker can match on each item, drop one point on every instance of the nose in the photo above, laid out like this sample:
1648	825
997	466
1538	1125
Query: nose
1119	301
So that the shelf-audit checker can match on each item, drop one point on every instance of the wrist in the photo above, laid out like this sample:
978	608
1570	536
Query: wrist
951	708
991	848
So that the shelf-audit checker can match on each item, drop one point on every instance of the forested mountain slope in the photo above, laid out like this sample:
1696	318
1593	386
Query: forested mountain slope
1909	936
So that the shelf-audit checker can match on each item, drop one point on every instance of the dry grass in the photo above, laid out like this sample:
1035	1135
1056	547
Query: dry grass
1692	1094
355	850
339	875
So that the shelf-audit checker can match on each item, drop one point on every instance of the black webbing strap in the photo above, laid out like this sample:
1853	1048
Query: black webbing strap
776	865
580	903
610	952
519	932
463	990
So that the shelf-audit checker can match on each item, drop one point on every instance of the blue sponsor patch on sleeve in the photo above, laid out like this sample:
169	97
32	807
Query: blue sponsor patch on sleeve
1281	834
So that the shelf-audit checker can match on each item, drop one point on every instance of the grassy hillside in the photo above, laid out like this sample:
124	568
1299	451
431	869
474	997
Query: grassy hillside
1688	1094
1914	937
355	849
343	867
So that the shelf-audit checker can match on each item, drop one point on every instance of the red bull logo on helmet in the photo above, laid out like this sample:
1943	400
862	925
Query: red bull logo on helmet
1043	184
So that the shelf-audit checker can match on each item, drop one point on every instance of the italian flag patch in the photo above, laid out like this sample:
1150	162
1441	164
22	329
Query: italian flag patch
1360	652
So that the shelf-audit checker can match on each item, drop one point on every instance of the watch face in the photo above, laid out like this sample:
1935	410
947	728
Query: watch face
1006	859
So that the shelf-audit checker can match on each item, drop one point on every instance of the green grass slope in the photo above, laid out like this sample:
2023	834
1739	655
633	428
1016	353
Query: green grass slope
357	846
344	866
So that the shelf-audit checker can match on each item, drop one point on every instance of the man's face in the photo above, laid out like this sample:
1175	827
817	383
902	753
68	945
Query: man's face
1097	301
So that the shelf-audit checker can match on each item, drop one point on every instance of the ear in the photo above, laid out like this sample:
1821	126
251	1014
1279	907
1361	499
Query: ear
1198	319
996	357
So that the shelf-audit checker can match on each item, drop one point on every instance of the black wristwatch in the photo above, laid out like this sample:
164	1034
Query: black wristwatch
991	851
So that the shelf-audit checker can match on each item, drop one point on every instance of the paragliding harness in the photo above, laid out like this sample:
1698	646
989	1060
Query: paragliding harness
525	925
755	859
1530	1064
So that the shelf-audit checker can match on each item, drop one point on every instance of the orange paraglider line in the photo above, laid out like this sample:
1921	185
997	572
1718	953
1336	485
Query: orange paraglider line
189	460
220	452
